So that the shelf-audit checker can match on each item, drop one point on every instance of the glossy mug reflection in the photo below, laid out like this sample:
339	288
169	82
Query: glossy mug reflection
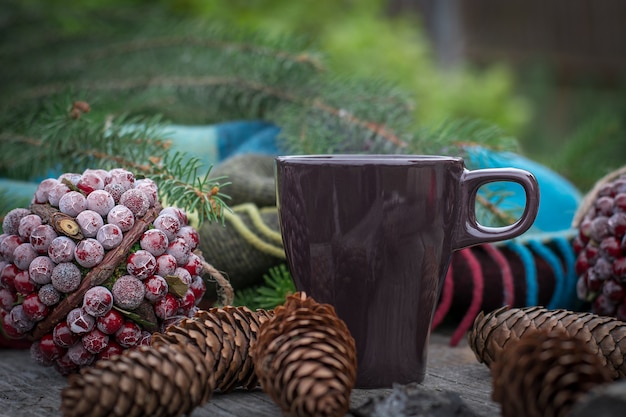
372	235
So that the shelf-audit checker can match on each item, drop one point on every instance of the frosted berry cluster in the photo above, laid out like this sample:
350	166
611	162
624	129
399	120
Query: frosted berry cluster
601	251
158	281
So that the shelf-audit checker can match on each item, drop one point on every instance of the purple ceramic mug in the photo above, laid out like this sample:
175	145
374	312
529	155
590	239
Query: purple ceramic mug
372	235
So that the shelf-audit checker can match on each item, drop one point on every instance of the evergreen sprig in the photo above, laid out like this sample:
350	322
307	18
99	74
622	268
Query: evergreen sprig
277	285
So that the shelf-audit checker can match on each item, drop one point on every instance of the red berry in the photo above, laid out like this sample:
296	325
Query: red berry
8	246
23	255
49	295
63	336
610	246
169	224
603	306
43	190
100	201
97	301
7	299
89	253
23	283
187	302
194	264
37	355
110	236
136	200
7	276
190	235
113	348
198	286
40	270
180	250
65	366
149	188
122	217
34	309
11	221
66	277
79	355
154	241
8	326
41	238
49	349
166	265
90	222
141	264
166	307
61	249
156	288
95	341
72	203
27	225
128	292
80	322
128	335
90	181
110	322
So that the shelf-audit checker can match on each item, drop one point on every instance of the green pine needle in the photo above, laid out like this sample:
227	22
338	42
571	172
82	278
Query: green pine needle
278	284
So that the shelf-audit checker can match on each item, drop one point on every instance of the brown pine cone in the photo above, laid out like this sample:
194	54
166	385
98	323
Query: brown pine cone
177	373
305	358
544	374
147	381
225	337
605	336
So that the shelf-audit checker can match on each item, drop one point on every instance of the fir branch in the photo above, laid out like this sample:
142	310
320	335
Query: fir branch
277	285
178	182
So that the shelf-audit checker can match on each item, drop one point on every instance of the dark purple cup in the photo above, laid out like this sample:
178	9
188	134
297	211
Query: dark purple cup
372	235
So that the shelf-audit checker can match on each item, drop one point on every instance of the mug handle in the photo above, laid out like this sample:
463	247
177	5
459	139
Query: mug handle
469	232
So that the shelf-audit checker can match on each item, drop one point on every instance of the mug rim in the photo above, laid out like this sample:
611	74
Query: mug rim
395	159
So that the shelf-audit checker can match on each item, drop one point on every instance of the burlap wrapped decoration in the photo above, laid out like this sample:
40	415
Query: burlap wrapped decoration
305	358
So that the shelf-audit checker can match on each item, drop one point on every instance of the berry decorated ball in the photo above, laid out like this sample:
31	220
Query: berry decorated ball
94	266
600	247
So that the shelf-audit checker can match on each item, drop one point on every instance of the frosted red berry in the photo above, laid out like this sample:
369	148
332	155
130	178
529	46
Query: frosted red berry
40	270
7	276
27	225
63	336
8	246
166	307
72	203
141	264
80	322
23	284
169	224
122	217
23	255
95	341
136	200
113	348
79	355
89	253
37	355
198	286
34	309
128	335
149	188
128	292
166	265
61	249
11	221
90	181
7	299
156	288
56	192
41	237
90	222
65	277
154	241
190	235
49	349
19	320
100	201
43	190
49	295
179	249
97	301
110	236
110	322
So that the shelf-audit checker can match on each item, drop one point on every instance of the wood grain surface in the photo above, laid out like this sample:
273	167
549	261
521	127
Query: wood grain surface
28	389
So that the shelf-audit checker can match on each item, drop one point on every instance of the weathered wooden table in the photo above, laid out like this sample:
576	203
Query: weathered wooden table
28	389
